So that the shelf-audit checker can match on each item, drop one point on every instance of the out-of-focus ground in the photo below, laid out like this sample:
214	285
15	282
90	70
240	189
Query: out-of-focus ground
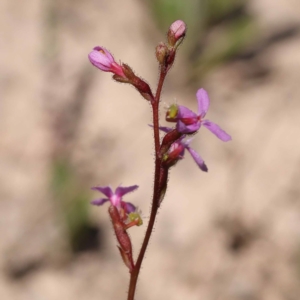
233	233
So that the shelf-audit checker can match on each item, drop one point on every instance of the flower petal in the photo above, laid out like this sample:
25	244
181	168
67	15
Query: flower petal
181	127
99	202
129	207
165	129
178	28
216	130
121	190
186	142
198	159
106	190
106	52
185	113
102	59
203	102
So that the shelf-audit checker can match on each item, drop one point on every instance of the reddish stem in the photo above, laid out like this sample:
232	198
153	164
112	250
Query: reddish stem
156	192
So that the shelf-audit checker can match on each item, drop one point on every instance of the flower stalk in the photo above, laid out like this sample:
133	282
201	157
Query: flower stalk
168	153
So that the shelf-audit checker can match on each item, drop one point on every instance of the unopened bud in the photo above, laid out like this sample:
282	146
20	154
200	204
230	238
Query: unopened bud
161	52
168	140
103	60
176	33
174	154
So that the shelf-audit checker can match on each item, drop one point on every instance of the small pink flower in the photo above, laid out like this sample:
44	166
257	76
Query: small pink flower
115	198
103	60
190	122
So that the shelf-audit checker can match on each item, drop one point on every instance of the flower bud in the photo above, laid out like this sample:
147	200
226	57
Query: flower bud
168	140
103	60
176	33
161	52
175	153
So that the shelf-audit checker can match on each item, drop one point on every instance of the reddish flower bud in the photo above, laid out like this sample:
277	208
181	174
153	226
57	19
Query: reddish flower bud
175	153
171	154
172	136
176	32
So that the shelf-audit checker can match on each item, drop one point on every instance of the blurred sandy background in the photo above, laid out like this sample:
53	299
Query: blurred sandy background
233	233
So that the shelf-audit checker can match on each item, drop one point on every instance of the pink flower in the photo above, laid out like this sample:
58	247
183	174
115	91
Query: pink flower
103	60
190	122
115	198
178	28
176	32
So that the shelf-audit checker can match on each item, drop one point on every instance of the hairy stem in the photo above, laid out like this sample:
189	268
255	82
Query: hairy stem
156	192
